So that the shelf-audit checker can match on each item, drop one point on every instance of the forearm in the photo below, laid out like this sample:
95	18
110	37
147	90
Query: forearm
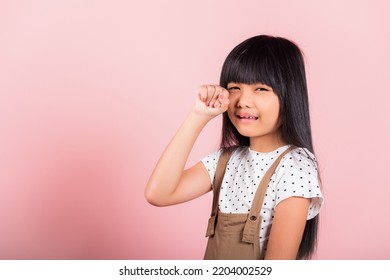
170	167
169	182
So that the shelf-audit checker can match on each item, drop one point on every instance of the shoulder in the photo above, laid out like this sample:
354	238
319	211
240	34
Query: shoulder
298	167
297	175
210	162
299	160
235	153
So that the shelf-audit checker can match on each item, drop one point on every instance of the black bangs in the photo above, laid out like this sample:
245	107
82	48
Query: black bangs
250	63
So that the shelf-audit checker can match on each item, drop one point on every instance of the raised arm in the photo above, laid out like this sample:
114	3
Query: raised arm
170	183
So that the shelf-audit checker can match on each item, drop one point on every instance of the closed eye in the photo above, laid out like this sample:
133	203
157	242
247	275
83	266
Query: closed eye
233	88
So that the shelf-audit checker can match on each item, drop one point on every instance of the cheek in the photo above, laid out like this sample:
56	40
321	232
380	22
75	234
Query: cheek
276	116
275	112
231	108
270	110
230	114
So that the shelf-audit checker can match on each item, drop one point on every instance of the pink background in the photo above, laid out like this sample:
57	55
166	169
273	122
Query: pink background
92	91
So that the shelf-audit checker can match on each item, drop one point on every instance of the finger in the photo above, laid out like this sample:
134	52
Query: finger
219	90
203	93
222	102
216	97
223	94
210	94
225	103
213	101
224	99
217	104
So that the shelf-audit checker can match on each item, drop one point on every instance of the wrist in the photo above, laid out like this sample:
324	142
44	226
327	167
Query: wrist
200	118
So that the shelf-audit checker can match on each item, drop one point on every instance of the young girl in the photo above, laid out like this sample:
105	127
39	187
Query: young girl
264	178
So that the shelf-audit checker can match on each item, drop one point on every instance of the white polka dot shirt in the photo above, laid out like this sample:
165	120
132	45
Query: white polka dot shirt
296	175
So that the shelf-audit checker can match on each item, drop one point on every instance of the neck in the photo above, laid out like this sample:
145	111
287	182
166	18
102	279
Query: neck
267	143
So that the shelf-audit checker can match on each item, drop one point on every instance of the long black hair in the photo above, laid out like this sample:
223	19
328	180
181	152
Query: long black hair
278	63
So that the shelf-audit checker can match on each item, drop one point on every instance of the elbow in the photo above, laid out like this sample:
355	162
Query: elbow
153	198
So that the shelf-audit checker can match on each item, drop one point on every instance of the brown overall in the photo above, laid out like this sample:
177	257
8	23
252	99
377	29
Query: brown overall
236	236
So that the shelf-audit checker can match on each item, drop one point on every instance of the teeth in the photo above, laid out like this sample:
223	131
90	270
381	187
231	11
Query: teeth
249	117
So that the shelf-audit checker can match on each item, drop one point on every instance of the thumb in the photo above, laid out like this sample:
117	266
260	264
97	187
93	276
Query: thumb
224	100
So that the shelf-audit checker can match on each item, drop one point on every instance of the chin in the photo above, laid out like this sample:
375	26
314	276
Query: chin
246	133
249	133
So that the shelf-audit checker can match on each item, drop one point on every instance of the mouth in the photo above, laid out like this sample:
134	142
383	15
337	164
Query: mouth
246	117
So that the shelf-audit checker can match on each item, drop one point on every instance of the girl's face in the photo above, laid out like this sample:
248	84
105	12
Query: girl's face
254	111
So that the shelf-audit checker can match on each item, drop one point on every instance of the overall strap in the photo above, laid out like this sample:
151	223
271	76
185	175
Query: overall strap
254	214
219	173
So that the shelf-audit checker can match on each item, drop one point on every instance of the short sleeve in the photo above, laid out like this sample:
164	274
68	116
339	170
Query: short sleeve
210	162
297	175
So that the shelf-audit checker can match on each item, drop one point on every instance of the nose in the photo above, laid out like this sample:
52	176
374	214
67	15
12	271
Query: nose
244	100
